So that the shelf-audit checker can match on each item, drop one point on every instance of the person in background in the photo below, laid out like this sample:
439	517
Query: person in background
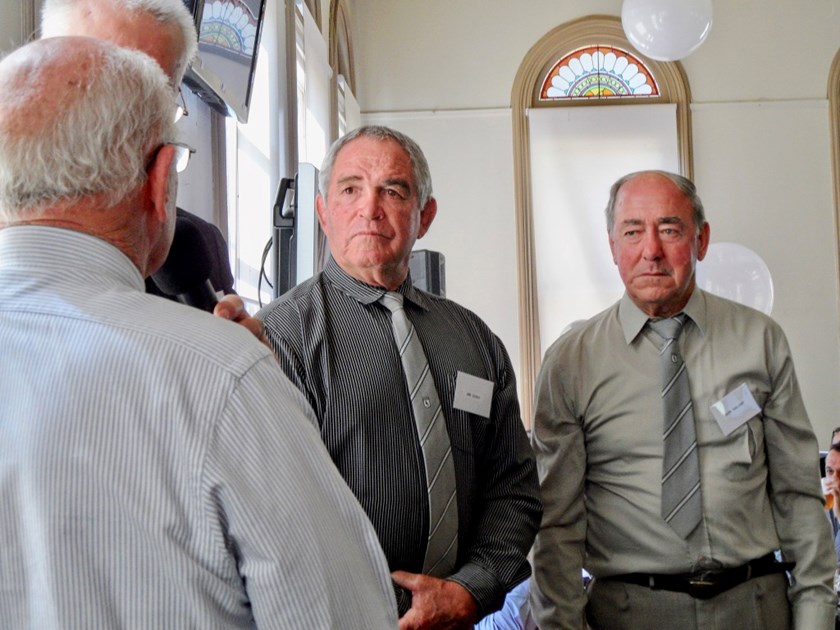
359	340
156	467
164	30
832	490
515	614
674	449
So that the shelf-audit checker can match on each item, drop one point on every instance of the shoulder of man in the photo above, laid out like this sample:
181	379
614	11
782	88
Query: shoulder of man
717	304
198	336
284	316
583	333
444	307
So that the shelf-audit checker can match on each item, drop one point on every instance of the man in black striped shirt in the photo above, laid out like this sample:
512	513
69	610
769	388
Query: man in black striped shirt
334	340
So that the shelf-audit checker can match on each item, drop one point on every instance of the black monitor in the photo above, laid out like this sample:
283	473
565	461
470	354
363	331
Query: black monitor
222	73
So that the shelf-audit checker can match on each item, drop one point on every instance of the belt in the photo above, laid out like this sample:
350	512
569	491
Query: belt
709	583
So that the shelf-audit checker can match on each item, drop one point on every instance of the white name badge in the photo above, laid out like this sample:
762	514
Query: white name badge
473	394
735	409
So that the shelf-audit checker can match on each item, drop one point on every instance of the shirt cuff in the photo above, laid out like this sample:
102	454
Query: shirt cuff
488	593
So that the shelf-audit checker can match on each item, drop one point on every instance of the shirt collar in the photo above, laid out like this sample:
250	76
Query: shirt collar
367	293
68	253
633	320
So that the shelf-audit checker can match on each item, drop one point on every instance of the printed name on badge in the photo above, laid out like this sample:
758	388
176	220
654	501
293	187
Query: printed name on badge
735	409
473	394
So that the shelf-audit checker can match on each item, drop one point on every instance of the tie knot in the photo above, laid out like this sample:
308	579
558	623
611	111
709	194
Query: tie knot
669	328
392	300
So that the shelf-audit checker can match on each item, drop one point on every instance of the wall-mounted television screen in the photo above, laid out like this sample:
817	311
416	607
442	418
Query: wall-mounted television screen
228	40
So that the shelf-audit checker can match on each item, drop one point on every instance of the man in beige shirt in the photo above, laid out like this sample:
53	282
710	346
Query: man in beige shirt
598	437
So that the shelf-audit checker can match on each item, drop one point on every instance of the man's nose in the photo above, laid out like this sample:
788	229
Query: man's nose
652	245
370	206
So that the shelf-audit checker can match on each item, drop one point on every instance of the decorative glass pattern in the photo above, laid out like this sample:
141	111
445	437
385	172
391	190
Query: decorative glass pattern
600	72
230	27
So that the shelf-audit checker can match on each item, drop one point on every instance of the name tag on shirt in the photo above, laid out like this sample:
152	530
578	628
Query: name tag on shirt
473	394
735	409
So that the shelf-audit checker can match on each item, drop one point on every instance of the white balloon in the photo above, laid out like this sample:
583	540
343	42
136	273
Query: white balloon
666	30
738	273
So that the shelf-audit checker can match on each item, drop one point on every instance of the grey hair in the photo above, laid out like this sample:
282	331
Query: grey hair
94	139
58	17
685	186
419	166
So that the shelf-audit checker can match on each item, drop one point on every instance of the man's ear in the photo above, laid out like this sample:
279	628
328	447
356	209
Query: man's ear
612	246
703	241
427	215
321	211
158	182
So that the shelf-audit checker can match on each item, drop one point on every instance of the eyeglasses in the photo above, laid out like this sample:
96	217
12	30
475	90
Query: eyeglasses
180	159
182	155
180	107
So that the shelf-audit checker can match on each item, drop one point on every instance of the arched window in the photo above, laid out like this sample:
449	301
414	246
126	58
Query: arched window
598	72
584	63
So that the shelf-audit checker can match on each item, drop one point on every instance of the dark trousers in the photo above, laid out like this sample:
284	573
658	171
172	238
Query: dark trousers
757	604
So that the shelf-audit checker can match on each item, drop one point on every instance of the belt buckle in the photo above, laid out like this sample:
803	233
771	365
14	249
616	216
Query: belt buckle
702	585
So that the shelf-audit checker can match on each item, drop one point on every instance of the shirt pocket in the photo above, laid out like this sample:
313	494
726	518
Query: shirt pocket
741	448
468	431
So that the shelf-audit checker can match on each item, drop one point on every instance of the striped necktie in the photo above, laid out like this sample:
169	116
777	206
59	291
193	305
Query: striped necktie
442	547
681	504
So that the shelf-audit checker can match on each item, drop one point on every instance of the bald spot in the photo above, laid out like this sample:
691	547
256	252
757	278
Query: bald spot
137	30
44	78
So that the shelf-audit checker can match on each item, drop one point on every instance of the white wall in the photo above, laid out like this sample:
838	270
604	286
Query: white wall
761	146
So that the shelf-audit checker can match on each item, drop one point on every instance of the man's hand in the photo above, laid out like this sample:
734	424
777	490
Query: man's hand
233	308
436	603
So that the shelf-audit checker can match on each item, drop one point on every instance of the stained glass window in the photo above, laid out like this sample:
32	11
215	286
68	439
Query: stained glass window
230	27
598	72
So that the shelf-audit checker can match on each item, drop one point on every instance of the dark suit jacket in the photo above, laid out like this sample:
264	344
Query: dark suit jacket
221	276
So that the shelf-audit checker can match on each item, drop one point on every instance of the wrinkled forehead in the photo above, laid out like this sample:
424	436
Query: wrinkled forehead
367	155
652	197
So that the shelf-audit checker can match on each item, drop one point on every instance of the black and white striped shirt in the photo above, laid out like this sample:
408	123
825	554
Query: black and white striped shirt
157	470
335	342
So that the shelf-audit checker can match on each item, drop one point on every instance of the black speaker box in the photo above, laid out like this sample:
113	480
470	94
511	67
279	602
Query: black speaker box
428	271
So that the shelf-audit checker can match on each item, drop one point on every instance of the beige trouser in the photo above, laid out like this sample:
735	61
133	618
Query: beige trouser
757	604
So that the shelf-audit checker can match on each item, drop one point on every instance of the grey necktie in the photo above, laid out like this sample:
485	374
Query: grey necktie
442	548
681	504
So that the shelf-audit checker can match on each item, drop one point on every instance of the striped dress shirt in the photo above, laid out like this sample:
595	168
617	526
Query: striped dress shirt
335	342
157	470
